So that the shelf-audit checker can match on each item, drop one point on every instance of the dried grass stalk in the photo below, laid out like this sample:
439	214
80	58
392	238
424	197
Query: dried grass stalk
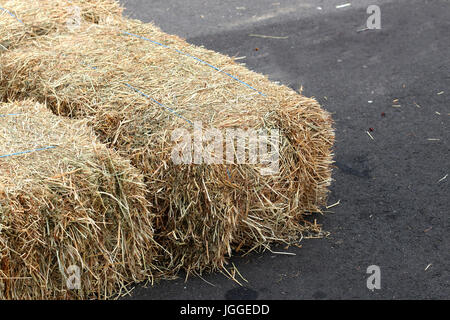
76	204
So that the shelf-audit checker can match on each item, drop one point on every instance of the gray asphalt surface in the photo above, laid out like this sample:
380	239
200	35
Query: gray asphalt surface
394	205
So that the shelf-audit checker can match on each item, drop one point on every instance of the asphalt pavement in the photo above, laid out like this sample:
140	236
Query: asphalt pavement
389	92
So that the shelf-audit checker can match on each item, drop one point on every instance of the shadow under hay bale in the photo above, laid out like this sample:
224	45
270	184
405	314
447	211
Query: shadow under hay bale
137	92
66	200
24	20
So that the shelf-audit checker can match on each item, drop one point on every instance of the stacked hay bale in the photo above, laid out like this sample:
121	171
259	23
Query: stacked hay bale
137	85
21	21
67	202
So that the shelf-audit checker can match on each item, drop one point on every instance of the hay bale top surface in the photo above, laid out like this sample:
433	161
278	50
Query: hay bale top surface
103	63
27	126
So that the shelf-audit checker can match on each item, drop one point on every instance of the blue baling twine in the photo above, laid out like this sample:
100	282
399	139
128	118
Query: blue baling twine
10	114
159	103
12	15
28	151
195	58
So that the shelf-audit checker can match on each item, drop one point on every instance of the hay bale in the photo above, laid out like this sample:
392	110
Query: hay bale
136	92
72	203
24	20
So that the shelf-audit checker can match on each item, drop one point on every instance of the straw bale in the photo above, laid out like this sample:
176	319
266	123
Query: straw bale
73	204
135	93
